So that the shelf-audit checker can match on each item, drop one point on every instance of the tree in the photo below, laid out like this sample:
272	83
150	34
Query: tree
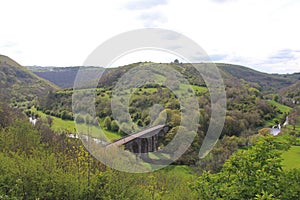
249	174
294	117
231	127
114	126
264	131
66	115
276	98
107	123
88	119
6	116
79	119
140	123
24	137
49	120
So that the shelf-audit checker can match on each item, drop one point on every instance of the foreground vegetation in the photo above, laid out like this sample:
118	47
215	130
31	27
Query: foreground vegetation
44	162
255	173
37	163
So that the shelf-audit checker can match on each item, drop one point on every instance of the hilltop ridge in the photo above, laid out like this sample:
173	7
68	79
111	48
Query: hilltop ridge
269	83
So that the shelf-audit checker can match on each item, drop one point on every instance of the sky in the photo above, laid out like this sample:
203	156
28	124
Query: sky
260	34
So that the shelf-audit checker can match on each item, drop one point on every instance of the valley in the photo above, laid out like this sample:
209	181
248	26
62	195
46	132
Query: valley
47	159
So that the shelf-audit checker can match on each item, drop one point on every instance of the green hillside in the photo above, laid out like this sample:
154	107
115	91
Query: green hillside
282	112
19	84
232	74
267	82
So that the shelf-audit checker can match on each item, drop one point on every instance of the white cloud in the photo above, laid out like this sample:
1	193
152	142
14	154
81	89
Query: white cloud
144	4
63	33
152	19
59	32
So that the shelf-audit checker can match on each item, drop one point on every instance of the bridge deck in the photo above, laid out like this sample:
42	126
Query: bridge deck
129	138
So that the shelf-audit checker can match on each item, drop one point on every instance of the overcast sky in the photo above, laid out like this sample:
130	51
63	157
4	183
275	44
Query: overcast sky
261	34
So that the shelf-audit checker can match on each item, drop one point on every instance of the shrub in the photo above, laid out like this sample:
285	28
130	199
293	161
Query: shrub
79	119
114	126
107	123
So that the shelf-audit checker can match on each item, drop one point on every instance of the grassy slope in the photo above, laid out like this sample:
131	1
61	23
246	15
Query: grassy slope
180	170
16	65
282	108
96	132
291	158
270	83
61	126
17	82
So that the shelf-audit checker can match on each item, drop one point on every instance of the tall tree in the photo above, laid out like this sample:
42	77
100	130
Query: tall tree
294	117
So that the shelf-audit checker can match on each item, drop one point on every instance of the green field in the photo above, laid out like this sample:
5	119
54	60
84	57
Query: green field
200	89
291	158
97	132
283	109
196	88
180	170
60	126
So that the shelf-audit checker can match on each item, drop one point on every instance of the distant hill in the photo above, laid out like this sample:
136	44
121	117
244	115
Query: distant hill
291	93
20	83
63	77
232	74
267	82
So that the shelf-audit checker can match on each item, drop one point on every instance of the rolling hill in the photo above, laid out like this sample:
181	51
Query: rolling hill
232	74
267	82
61	76
19	83
292	91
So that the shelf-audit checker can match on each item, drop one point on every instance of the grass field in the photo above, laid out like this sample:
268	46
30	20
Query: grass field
180	170
291	158
60	126
282	108
96	132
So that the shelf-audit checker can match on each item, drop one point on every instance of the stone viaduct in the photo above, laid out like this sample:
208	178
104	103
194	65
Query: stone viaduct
144	141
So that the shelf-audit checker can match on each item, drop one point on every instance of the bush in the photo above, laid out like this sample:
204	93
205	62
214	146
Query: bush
79	119
66	115
28	113
140	123
114	126
95	122
47	112
107	123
